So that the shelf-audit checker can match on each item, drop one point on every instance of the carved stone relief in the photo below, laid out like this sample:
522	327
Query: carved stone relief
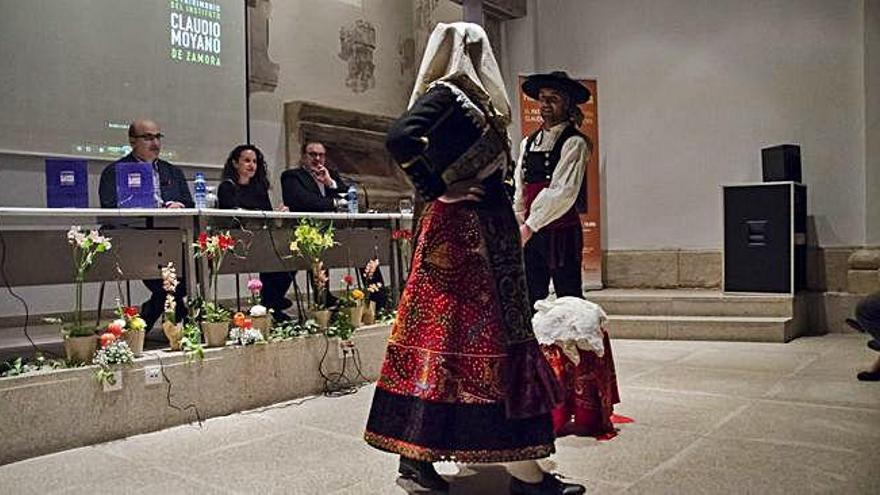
357	44
263	72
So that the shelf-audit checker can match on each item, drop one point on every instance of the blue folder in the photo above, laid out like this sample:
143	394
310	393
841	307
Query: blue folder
134	185
67	184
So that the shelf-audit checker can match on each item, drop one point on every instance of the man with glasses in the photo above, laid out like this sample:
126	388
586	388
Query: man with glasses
313	187
169	183
169	190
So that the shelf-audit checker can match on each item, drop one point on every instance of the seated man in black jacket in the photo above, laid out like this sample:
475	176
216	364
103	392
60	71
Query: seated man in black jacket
169	190
312	186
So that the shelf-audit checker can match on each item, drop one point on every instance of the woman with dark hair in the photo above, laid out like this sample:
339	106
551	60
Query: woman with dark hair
245	180
245	185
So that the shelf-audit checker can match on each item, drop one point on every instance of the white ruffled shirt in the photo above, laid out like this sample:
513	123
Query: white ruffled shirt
567	178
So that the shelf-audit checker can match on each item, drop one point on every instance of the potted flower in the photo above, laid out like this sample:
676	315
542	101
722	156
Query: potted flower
352	301
243	330
343	328
113	353
170	326
311	239
259	313
80	340
215	322
375	290
133	327
191	342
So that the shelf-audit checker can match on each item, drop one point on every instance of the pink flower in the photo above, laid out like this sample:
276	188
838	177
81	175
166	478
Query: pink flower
254	286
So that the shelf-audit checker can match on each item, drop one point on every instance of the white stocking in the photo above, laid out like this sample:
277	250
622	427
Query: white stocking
528	471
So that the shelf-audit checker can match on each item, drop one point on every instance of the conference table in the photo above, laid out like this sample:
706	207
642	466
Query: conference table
34	248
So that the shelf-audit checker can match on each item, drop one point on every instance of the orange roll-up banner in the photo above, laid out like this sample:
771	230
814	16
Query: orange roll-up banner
530	121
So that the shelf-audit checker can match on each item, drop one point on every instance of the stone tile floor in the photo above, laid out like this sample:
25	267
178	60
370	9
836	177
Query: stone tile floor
710	417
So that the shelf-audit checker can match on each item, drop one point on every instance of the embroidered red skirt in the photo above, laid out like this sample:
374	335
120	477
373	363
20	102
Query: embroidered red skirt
590	391
463	377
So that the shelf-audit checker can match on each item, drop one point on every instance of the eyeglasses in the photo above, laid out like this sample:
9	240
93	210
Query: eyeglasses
149	137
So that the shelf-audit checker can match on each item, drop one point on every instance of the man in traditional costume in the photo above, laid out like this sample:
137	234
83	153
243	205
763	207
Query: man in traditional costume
549	187
463	377
549	195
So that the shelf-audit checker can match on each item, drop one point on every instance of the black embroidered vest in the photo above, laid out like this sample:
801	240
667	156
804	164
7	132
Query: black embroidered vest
538	166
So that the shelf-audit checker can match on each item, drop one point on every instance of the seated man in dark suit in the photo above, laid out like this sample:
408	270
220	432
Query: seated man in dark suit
169	190
312	186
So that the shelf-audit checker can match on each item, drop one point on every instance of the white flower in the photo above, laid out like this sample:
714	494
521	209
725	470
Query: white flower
258	310
169	277
245	336
115	353
120	322
75	236
170	304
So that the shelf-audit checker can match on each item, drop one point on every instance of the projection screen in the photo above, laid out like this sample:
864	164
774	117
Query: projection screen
75	73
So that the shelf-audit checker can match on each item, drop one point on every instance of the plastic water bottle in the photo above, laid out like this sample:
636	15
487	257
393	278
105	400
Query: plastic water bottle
201	190
210	197
352	198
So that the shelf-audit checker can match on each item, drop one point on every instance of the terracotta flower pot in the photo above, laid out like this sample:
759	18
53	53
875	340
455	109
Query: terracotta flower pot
80	349
215	333
173	333
322	318
262	323
135	341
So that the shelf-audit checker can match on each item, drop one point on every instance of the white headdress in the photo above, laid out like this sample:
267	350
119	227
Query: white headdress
460	53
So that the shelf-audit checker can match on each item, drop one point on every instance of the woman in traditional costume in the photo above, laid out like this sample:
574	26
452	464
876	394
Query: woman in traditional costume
463	378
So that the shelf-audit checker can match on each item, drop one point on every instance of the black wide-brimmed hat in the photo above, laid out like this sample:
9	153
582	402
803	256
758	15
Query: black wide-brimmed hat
559	81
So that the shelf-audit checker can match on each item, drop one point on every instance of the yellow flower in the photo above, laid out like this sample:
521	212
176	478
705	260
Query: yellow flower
137	323
357	294
294	247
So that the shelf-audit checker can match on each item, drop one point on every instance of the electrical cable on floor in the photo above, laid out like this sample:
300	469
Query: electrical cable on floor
338	384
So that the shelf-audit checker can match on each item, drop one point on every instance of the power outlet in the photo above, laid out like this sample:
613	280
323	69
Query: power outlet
152	375
345	348
117	382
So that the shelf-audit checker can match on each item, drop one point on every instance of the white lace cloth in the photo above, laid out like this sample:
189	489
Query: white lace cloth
572	324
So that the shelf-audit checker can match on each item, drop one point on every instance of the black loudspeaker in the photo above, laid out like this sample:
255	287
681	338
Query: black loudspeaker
765	237
781	163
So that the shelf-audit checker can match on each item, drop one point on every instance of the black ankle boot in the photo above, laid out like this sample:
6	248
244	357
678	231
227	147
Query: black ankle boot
420	477
550	485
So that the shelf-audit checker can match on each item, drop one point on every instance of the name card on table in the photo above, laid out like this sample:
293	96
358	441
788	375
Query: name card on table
67	184
134	185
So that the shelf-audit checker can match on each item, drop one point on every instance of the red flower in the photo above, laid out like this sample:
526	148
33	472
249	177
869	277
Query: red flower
225	242
130	311
203	240
248	323
107	339
401	235
114	329
348	279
